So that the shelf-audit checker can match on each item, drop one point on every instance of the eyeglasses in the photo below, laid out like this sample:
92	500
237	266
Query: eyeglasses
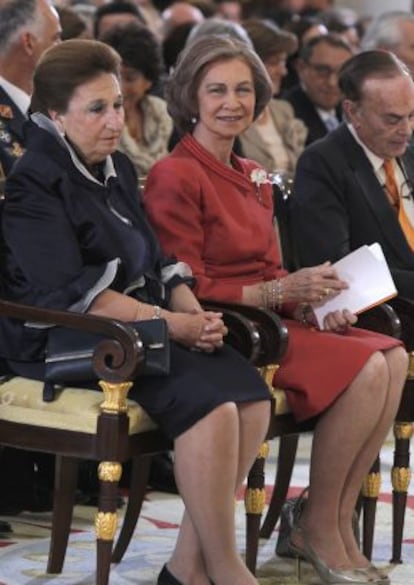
324	71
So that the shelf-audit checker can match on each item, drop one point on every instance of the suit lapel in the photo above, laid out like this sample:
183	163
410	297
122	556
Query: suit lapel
317	128
375	196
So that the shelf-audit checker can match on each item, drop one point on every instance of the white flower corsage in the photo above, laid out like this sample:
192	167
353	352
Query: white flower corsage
259	177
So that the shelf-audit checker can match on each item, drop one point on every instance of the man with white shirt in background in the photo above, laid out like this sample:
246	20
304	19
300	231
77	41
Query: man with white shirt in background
27	29
316	100
355	186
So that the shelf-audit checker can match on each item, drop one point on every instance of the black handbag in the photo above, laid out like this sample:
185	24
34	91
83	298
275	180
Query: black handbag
69	354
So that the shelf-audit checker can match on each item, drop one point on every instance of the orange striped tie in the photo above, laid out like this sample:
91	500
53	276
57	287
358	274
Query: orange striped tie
391	187
391	184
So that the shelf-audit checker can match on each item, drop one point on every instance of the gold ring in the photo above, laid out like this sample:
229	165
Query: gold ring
327	291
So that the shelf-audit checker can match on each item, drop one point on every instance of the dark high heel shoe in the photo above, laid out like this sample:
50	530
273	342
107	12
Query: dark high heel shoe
167	578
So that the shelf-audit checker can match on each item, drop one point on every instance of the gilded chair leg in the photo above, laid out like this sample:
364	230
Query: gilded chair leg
114	414
106	519
288	445
255	499
370	492
400	477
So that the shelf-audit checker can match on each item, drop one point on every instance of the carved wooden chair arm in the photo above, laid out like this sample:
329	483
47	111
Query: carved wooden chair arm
243	335
115	359
382	319
404	308
272	331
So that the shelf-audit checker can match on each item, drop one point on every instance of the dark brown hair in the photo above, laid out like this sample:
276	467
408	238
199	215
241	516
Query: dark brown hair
268	39
368	65
331	39
64	67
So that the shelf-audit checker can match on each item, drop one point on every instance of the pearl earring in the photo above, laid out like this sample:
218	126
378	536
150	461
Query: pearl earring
194	120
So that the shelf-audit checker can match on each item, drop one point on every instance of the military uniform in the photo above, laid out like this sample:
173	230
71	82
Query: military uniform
11	131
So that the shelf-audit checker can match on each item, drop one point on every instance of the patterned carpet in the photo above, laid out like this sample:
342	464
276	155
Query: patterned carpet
23	553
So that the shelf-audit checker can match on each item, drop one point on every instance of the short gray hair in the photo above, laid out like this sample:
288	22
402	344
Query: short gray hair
384	31
219	26
14	15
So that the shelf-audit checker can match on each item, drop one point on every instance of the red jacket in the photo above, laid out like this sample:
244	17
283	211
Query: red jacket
236	243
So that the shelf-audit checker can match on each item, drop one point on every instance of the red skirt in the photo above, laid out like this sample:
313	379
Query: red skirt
318	365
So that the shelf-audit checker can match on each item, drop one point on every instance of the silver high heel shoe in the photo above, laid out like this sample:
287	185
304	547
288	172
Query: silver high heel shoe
327	575
378	576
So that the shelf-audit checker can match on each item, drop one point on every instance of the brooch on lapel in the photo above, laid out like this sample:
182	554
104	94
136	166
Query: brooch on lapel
6	111
259	177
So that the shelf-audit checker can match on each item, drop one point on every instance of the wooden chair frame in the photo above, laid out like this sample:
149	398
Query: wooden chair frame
116	362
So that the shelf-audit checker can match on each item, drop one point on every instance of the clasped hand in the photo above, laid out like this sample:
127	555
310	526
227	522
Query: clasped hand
201	330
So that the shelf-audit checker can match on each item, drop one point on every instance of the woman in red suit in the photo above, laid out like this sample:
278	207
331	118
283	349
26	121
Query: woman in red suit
213	210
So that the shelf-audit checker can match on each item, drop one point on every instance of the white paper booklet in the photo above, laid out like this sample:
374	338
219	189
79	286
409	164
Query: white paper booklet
369	279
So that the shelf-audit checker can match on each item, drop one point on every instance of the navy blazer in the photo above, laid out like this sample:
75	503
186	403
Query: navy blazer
339	205
60	231
11	131
305	110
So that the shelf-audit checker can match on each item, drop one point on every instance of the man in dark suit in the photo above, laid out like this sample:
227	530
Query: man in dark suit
316	100
354	186
26	30
11	130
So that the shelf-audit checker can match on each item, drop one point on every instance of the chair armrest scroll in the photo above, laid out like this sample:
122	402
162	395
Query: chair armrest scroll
272	331
405	310
382	319
115	359
242	336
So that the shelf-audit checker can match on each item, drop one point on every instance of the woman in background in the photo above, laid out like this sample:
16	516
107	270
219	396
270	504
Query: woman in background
276	138
148	125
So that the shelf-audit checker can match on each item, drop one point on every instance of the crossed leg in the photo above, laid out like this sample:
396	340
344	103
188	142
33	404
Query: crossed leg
211	460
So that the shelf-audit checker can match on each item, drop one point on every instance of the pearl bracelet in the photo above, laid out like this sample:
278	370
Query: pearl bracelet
272	294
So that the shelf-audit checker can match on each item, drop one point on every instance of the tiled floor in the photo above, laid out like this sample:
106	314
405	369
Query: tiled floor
23	554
